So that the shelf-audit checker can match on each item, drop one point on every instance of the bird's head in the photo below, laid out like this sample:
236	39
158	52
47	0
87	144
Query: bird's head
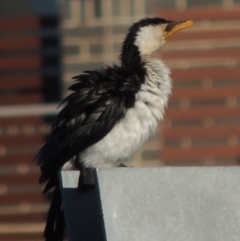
146	36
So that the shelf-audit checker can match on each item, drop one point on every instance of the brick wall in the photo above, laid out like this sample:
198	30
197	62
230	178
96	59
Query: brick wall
202	125
29	80
92	39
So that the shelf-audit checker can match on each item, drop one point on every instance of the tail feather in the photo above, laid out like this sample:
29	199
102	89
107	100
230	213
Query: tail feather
50	184
60	226
55	225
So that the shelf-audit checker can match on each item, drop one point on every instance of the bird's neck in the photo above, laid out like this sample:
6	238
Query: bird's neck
158	76
132	60
130	56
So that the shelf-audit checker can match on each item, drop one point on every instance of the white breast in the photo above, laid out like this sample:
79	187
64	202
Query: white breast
139	123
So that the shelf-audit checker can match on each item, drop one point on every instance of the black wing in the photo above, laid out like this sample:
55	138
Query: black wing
100	99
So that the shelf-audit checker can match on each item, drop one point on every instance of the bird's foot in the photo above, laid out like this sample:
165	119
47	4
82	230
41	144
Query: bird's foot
87	179
122	165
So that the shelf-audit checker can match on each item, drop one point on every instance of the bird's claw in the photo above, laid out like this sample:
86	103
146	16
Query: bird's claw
87	179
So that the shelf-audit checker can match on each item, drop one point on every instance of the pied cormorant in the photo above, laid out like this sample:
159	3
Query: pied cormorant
111	113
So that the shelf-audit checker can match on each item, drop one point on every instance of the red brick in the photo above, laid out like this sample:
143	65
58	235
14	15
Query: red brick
209	13
201	132
203	93
20	63
20	179
17	198
25	81
209	53
22	23
207	35
20	158
32	139
20	121
24	217
202	112
202	73
221	151
20	236
18	99
17	43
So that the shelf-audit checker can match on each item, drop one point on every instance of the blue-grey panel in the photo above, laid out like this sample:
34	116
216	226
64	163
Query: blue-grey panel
44	7
82	210
28	7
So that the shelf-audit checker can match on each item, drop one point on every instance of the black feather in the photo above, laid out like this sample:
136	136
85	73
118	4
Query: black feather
102	104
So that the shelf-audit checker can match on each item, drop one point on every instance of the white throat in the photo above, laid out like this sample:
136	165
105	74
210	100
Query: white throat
149	39
158	78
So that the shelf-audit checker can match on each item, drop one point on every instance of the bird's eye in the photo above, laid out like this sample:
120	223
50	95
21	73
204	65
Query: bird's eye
170	26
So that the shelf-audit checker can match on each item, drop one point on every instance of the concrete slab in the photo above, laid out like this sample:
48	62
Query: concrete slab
155	204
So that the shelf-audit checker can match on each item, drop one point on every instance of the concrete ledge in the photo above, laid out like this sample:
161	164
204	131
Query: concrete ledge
155	204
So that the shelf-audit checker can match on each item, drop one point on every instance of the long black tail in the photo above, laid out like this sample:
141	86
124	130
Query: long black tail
55	225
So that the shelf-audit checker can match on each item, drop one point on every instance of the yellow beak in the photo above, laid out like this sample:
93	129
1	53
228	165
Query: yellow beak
179	26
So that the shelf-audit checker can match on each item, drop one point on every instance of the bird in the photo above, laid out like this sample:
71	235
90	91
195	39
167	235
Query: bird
111	112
